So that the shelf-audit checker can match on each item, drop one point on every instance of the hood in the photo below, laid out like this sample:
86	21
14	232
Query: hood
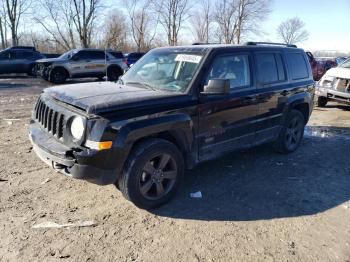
101	97
50	60
339	72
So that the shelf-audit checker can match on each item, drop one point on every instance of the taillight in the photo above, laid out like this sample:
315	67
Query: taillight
125	61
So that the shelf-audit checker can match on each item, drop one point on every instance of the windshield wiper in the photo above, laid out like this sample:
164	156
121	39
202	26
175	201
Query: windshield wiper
144	84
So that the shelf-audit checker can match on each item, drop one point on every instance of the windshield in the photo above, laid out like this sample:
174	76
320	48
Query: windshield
68	54
346	64
164	70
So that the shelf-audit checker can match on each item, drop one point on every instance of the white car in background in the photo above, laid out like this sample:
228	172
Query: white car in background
334	85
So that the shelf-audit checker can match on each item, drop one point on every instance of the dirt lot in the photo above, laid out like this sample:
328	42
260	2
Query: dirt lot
257	205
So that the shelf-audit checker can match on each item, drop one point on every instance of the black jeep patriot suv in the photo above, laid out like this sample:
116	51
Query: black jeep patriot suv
173	109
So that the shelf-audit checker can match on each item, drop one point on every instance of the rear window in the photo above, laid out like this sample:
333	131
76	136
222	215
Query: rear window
270	68
297	65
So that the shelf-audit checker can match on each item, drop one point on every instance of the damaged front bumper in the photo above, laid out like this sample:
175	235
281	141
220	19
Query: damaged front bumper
76	163
331	94
43	71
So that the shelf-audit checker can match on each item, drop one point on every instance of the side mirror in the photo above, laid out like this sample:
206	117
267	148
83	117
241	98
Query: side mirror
75	58
217	87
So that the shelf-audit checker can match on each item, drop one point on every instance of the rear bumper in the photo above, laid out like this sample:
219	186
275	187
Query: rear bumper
333	95
76	164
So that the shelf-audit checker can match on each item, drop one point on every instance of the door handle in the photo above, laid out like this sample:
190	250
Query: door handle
285	93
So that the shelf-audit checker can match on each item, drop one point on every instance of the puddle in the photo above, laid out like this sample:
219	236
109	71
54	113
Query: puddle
327	132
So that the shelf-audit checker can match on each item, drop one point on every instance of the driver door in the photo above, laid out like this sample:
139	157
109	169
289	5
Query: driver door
228	122
4	62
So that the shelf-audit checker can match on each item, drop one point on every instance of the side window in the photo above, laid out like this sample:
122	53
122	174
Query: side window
97	55
5	55
24	55
270	68
280	68
297	65
83	55
231	67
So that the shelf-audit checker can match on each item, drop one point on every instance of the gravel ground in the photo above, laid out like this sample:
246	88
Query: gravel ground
256	206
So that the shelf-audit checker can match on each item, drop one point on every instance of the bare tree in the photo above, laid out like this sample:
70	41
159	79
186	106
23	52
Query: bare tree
250	13
57	21
143	23
2	33
172	15
225	17
15	9
292	31
201	21
84	16
238	18
115	31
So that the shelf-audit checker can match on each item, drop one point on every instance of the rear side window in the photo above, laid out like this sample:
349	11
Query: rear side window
97	55
117	55
297	65
270	68
24	55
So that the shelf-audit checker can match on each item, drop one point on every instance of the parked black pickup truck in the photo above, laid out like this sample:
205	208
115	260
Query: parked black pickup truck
173	109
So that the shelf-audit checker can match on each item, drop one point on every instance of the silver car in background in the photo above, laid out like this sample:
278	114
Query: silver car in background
80	63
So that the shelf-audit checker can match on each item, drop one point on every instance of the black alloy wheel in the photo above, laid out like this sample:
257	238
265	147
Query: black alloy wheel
158	177
292	132
152	173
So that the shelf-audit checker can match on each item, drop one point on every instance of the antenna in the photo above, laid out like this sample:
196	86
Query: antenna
106	63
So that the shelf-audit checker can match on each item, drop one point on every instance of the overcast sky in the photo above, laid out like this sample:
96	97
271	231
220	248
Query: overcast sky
327	21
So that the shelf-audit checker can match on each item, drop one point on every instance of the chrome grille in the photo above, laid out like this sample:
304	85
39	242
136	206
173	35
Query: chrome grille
49	119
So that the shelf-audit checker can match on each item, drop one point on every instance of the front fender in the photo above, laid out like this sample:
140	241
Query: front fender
128	133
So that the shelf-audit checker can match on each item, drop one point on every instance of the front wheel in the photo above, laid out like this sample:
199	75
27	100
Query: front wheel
291	133
322	101
58	75
113	73
152	173
32	71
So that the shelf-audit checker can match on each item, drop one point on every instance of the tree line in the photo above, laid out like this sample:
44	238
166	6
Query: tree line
136	25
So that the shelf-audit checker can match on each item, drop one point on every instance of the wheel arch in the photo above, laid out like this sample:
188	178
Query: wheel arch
176	129
61	67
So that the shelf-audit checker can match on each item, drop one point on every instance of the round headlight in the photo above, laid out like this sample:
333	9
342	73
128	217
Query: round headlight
77	128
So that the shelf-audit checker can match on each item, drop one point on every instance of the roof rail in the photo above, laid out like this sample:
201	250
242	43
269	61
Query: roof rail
199	43
269	43
23	47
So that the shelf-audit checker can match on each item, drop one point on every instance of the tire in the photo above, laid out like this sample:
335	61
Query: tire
291	134
32	71
152	174
58	75
113	73
100	78
322	101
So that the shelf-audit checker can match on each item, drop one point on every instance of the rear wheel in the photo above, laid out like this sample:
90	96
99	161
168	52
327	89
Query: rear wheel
113	73
152	173
32	70
322	101
292	133
58	75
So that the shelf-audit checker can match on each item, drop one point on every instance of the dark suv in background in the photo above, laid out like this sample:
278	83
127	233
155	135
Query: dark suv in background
19	59
132	58
175	108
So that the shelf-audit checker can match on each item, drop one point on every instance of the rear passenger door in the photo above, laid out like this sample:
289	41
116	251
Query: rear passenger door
227	122
272	87
96	62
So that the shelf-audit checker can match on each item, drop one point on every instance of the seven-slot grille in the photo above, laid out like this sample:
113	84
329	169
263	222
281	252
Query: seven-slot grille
50	119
